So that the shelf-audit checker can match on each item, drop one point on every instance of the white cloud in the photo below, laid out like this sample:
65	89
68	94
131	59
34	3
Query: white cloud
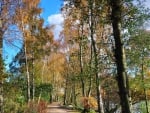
56	20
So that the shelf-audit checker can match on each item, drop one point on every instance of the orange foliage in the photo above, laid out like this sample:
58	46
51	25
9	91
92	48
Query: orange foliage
89	102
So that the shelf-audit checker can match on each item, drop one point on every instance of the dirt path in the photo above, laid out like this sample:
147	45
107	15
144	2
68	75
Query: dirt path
56	108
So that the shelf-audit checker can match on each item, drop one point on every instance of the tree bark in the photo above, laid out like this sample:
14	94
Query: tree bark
90	79
121	76
1	60
27	70
33	83
65	92
98	86
97	77
1	75
81	63
144	89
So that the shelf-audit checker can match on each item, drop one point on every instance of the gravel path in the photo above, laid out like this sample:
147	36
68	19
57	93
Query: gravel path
56	108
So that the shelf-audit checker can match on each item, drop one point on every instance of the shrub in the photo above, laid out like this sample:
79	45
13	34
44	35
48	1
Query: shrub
42	107
89	102
34	107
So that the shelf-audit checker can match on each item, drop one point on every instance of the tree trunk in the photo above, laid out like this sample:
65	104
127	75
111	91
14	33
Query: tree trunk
65	92
90	86
33	80
26	59
74	93
1	76
98	87
144	89
33	85
90	82
121	76
81	63
97	77
27	73
1	60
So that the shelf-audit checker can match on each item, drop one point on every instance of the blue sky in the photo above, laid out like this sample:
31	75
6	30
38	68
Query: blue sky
148	3
50	7
51	14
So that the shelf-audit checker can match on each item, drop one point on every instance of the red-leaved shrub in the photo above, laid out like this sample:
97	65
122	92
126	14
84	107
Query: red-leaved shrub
42	105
